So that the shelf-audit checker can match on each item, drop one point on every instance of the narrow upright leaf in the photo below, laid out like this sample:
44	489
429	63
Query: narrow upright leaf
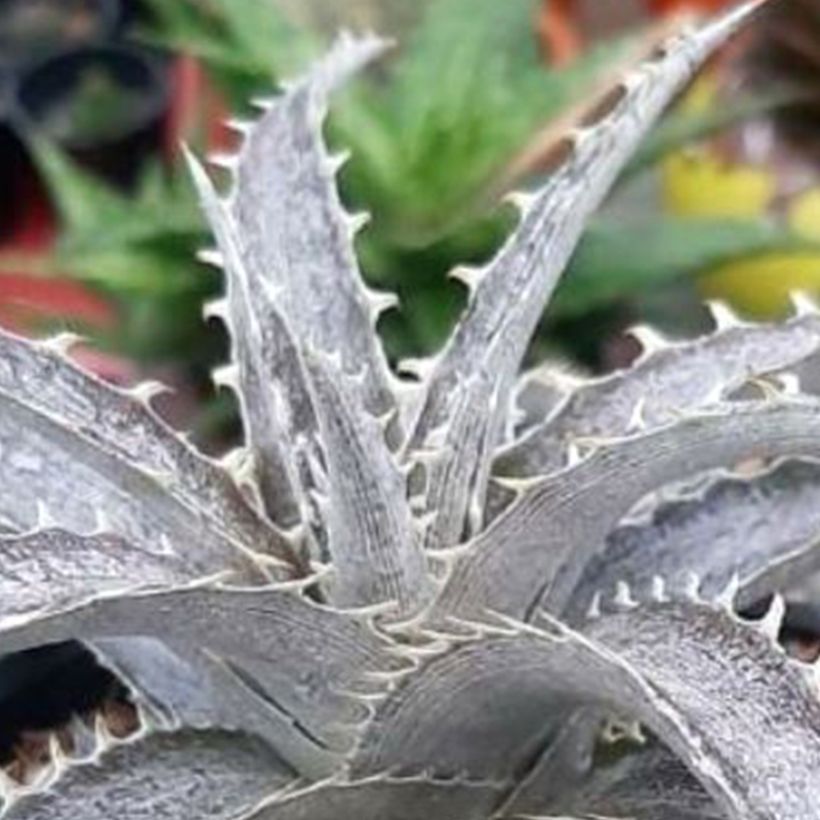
376	554
293	230
277	411
510	295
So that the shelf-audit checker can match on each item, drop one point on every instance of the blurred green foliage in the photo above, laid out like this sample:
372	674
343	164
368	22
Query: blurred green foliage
432	130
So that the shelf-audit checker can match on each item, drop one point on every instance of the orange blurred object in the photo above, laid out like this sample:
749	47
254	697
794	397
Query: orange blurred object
559	31
197	112
671	6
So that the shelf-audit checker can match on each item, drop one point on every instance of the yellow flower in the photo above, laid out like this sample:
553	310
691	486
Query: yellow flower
696	183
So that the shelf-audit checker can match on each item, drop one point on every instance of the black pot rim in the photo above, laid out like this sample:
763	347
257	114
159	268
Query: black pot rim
158	88
110	13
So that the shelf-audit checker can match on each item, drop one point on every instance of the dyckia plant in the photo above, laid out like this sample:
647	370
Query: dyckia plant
406	599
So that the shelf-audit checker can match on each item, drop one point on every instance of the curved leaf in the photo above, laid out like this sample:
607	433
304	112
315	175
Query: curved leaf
49	471
765	529
117	436
52	568
643	784
731	678
277	665
704	682
176	776
509	295
538	548
378	798
670	379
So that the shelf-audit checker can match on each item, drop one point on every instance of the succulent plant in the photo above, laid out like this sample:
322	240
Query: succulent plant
396	599
438	134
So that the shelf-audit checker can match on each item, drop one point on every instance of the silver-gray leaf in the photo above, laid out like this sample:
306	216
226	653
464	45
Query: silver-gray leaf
377	557
174	776
741	715
293	230
538	548
666	382
277	412
38	376
509	296
277	664
382	798
765	529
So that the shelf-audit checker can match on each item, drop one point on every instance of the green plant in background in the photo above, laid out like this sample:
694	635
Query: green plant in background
136	248
97	104
383	606
434	135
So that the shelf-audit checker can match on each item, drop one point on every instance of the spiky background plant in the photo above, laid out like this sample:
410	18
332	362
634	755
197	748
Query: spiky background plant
384	606
456	117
